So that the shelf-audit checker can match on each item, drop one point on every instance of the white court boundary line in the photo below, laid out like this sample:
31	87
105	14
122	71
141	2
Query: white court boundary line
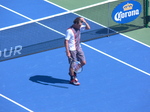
86	44
135	40
16	103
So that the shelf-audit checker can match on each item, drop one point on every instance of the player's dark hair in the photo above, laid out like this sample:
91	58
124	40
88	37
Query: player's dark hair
77	20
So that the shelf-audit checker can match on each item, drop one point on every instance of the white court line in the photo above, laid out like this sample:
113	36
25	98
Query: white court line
86	7
88	45
16	103
135	40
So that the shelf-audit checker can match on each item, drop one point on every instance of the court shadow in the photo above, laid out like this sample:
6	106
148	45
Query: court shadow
49	80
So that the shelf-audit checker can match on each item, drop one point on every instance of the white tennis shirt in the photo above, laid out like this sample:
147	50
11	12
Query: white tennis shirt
71	37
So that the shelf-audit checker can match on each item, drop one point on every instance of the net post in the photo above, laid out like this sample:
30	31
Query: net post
146	13
108	19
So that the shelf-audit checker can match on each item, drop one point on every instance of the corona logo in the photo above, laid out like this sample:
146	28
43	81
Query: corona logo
126	11
128	6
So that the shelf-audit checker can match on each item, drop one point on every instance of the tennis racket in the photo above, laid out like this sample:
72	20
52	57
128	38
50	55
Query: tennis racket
76	65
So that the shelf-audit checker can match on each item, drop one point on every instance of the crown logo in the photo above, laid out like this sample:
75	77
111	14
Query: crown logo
128	6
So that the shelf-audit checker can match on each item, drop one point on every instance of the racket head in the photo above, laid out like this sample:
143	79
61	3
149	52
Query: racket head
77	68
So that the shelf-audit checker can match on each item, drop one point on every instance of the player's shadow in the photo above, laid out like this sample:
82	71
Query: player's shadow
49	80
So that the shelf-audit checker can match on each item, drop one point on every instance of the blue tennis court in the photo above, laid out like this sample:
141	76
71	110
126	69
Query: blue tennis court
115	78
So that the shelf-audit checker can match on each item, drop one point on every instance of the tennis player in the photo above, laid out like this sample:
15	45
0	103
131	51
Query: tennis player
73	47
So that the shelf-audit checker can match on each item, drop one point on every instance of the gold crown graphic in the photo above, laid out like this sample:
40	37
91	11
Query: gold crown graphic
128	6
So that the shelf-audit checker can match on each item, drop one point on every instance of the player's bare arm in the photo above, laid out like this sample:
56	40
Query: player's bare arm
87	25
67	48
